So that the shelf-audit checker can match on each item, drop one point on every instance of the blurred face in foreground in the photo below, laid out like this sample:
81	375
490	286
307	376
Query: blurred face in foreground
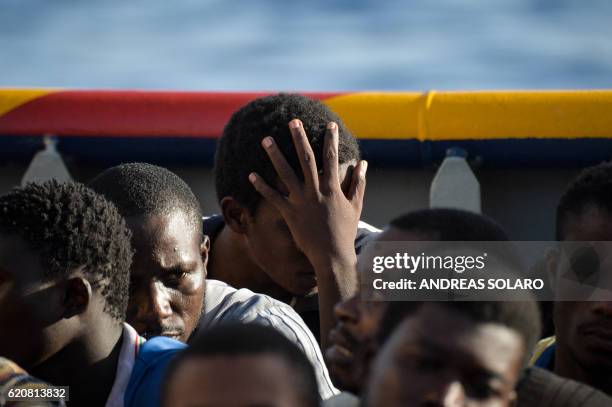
438	357
263	380
167	275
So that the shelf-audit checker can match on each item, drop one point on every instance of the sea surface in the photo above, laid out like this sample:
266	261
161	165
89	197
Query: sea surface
306	45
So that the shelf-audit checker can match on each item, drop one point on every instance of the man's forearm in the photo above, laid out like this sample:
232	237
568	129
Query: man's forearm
336	281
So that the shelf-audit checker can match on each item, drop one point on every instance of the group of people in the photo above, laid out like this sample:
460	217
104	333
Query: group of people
126	293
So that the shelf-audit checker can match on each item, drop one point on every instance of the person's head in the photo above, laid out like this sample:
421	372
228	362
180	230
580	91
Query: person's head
167	276
354	340
455	354
240	366
584	213
65	257
258	224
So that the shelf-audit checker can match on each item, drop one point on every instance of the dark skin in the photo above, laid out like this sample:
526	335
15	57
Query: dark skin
583	330
60	330
168	274
479	367
258	252
320	216
212	381
353	342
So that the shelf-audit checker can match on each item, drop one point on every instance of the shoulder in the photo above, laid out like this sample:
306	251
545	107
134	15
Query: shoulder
542	388
543	353
365	233
150	366
344	399
224	303
367	228
230	305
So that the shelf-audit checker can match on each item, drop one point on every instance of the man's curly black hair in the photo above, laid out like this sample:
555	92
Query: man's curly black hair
250	339
69	226
144	189
593	186
239	150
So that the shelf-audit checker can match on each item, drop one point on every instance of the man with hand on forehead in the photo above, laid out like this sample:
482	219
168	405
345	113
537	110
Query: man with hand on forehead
253	245
320	216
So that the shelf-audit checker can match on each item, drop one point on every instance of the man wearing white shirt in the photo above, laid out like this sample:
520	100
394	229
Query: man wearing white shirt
65	257
169	294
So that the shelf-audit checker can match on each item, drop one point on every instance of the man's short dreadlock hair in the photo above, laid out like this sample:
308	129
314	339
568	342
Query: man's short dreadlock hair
239	150
69	226
145	189
593	186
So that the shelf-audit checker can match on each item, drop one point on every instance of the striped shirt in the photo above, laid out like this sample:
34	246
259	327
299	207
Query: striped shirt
225	304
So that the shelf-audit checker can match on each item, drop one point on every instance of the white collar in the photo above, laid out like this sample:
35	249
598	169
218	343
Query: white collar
127	357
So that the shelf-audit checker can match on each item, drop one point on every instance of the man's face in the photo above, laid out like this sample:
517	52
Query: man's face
353	342
447	360
584	329
225	381
30	310
167	276
272	248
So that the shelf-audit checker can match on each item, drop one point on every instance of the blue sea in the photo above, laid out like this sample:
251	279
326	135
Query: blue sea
306	45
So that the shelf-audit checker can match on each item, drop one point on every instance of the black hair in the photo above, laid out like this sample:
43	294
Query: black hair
445	224
145	189
232	340
522	317
457	225
451	225
69	226
239	150
593	186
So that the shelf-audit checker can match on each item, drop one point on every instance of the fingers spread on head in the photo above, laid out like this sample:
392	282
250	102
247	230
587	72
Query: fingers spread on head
331	179
269	193
282	167
305	154
358	183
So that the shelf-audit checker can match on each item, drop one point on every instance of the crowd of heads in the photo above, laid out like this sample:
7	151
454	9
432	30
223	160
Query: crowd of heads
81	265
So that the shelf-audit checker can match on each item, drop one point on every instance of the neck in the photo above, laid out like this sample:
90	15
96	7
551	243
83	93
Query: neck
88	365
567	366
230	263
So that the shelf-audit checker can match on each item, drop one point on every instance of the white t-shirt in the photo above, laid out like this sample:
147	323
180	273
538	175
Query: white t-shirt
223	304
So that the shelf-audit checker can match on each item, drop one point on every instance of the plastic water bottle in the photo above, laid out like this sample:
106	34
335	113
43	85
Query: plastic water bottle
46	165
455	185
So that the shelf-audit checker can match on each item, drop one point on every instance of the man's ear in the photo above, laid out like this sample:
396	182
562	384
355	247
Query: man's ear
235	215
204	250
77	295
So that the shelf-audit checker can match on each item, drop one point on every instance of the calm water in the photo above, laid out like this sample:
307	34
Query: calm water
306	45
